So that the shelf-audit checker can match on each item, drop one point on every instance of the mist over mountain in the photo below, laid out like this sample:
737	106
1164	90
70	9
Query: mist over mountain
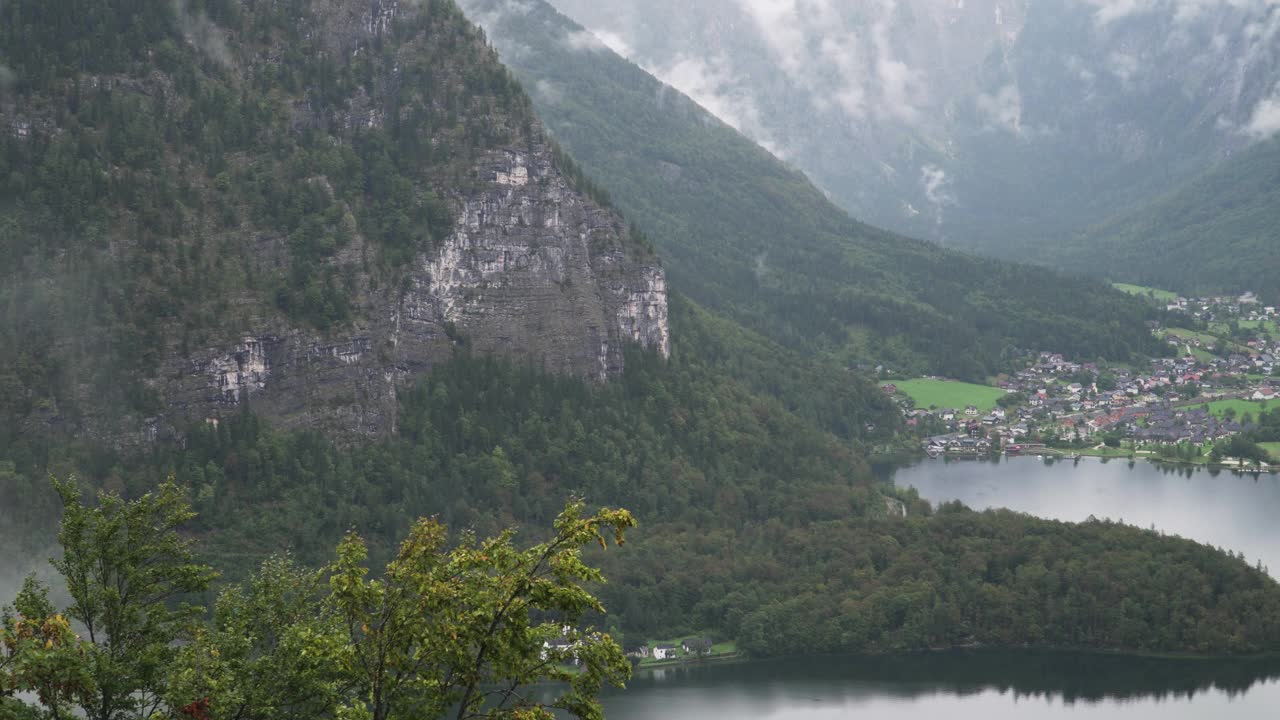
996	125
748	236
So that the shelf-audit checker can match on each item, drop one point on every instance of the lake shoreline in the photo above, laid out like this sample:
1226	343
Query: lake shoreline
1036	650
1071	455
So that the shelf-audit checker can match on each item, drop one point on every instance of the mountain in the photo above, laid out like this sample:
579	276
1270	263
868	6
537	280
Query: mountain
996	125
305	203
750	237
1219	233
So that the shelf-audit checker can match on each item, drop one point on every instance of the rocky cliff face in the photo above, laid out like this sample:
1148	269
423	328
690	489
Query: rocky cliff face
533	270
528	267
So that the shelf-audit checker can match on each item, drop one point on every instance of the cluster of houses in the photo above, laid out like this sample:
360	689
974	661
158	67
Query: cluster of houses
1061	398
689	647
1218	307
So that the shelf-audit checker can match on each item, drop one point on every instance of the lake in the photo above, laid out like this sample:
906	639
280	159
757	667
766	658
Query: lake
1236	512
977	685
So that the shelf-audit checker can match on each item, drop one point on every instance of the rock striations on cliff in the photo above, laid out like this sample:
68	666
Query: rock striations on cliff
386	199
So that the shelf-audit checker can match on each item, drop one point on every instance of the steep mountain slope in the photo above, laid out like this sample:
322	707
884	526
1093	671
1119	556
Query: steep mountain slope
303	202
1218	233
990	124
747	236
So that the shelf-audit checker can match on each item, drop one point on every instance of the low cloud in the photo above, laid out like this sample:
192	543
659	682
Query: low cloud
842	57
203	34
1123	66
1184	11
1003	110
712	84
614	42
595	40
582	40
934	180
548	92
1265	121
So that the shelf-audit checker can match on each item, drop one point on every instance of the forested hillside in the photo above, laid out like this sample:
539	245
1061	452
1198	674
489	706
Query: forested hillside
137	233
747	236
1217	234
753	526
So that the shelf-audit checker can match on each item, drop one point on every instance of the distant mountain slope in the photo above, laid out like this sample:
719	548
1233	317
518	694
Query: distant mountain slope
1218	233
748	236
994	125
307	202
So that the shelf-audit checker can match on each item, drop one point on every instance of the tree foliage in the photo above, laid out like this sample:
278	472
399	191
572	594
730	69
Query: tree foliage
444	631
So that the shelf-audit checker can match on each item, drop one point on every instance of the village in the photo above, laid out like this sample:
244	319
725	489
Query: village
1211	388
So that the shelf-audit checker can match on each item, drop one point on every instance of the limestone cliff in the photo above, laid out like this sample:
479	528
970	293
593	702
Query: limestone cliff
312	203
533	270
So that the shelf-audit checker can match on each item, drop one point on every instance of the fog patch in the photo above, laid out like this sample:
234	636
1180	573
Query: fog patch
203	34
935	182
614	42
1003	109
712	84
548	92
1265	121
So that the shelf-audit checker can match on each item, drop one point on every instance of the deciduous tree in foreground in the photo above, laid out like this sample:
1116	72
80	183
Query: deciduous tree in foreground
448	630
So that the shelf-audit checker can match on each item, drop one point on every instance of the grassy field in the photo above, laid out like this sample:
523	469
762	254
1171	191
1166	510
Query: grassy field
1263	327
1158	294
1203	356
929	392
1273	449
1263	324
1219	407
1186	334
718	650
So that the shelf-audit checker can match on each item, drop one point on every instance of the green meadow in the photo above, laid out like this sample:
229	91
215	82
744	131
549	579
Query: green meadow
1219	407
1143	291
934	393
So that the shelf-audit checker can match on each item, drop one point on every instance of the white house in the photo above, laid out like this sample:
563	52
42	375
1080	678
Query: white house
664	652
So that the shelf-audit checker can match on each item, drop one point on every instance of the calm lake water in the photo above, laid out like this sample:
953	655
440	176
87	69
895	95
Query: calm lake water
974	686
1234	512
1231	511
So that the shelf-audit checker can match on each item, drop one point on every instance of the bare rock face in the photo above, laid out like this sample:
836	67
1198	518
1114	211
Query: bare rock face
532	270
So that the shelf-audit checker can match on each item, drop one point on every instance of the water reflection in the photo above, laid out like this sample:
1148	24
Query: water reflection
970	684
